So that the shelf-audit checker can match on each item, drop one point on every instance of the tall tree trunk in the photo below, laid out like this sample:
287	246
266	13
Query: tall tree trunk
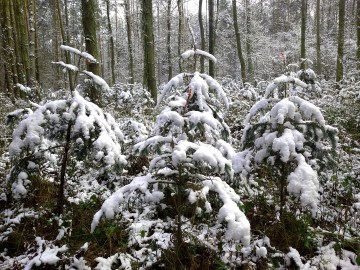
303	33
55	42
67	26
202	36
89	26
129	39
318	38
168	39
101	55
148	45
23	39
250	70
158	36
238	42
31	34
180	6
37	66
19	67
358	34
341	33
64	39
112	54
211	36
7	48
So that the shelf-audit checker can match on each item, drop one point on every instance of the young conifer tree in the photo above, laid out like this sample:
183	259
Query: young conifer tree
287	142
185	202
62	139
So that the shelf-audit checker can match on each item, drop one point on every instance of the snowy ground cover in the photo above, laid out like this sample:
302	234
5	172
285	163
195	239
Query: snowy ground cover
230	166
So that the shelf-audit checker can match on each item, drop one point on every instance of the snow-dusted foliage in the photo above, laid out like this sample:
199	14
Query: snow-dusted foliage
198	90
66	66
46	253
303	84
192	53
131	99
39	140
97	81
75	51
291	137
183	201
281	80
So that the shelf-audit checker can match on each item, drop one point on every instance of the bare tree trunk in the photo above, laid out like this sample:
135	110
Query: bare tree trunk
341	33
101	55
202	35
130	41
31	43
358	34
112	54
64	38
23	38
318	38
168	39
180	6
211	36
238	42
37	67
303	32
7	48
148	44
61	198
89	26
158	36
19	67
55	42
248	42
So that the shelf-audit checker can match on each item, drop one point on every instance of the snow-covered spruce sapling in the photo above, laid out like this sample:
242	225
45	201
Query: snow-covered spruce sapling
183	201
66	136
290	138
284	86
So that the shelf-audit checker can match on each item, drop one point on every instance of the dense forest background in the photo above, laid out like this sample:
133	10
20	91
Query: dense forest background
151	134
269	31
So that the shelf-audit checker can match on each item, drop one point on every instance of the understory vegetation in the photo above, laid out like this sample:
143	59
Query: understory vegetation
218	176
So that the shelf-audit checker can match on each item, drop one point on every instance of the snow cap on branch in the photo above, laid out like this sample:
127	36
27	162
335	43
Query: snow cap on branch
85	55
190	53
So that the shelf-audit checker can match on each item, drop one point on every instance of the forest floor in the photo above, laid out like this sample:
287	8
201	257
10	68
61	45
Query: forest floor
334	237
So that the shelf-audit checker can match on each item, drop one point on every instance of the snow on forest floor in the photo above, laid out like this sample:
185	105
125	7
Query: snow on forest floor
32	234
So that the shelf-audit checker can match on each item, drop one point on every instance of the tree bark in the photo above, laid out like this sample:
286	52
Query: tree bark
211	36
112	54
7	48
340	50
168	39
303	33
37	66
19	67
149	80
64	39
61	198
130	41
31	36
318	38
89	25
55	42
157	56
202	36
358	34
250	70
23	39
180	6
238	42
